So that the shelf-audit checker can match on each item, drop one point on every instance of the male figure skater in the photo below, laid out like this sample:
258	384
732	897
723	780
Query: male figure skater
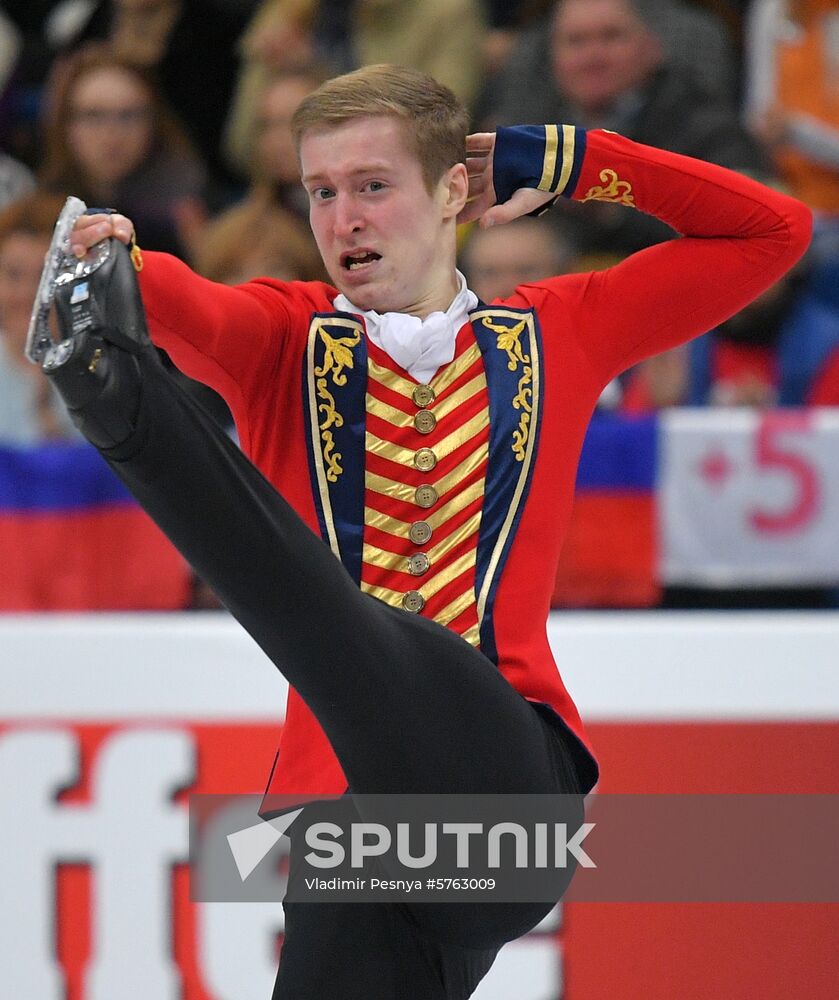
429	439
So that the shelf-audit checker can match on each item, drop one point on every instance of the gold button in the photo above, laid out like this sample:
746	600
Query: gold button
425	421
425	460
419	532
426	496
418	564
423	395
413	601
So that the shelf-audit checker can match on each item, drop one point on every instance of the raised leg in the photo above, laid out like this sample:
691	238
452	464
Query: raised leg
407	705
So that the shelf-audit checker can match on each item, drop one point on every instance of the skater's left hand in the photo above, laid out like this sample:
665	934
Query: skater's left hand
90	229
482	204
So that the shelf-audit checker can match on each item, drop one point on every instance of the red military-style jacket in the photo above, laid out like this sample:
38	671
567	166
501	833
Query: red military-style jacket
453	500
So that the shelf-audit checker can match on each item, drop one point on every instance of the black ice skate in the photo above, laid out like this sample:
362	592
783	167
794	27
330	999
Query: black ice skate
103	331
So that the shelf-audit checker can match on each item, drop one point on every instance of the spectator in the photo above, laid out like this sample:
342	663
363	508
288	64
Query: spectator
259	239
656	383
693	41
505	21
190	47
266	235
497	260
609	71
792	98
719	369
809	345
267	152
110	140
508	23
28	414
440	37
279	40
443	38
776	351
738	363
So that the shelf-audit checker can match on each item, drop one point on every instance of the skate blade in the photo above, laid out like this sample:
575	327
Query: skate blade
60	267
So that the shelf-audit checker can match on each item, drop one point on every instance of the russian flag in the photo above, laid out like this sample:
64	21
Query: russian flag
72	539
610	556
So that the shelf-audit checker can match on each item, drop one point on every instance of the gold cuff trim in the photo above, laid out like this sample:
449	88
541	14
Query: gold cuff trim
549	164
569	141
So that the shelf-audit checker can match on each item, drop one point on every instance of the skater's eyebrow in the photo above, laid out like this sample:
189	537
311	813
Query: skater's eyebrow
370	168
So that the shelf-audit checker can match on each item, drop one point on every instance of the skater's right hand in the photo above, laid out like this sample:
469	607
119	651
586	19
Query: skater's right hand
90	229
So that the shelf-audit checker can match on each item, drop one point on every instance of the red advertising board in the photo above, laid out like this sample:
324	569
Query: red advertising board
95	814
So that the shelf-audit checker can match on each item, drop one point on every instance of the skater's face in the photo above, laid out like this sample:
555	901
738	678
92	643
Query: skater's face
388	242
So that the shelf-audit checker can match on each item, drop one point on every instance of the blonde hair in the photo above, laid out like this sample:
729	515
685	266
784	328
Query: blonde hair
437	121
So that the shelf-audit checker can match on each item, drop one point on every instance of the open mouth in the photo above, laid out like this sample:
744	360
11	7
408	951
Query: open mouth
359	258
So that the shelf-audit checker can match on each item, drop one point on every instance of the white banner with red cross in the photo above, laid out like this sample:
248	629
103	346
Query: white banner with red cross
749	497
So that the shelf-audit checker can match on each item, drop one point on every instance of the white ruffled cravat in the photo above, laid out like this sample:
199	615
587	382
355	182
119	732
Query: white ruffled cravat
420	346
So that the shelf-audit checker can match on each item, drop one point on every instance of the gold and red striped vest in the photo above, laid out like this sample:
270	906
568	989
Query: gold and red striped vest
427	448
419	488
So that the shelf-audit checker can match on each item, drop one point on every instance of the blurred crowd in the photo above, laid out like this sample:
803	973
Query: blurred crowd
178	113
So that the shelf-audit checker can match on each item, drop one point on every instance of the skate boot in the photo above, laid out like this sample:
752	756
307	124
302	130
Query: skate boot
103	333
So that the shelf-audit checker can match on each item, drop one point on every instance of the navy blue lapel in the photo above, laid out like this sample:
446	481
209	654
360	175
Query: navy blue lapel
334	397
510	342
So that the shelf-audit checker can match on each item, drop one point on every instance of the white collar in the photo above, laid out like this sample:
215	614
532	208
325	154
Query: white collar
420	346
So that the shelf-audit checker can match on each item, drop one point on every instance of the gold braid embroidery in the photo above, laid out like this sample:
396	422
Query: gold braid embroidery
508	339
523	402
337	357
613	190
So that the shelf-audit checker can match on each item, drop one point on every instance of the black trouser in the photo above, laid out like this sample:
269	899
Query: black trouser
408	705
